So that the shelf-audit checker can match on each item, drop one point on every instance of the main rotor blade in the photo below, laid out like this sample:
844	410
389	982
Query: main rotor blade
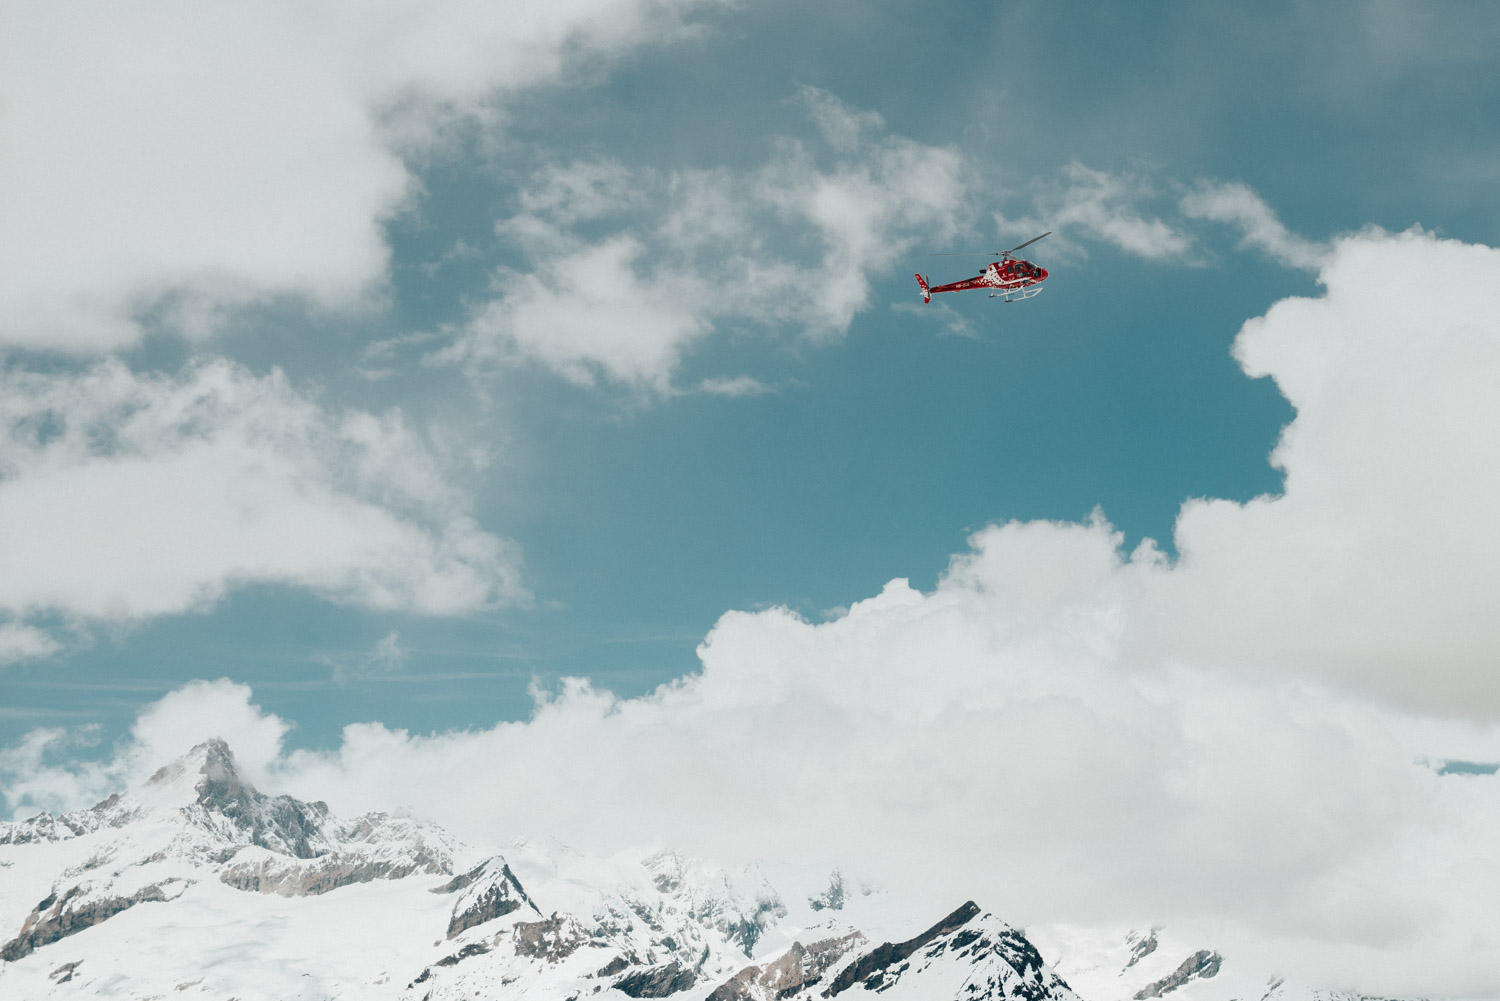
1028	243
998	253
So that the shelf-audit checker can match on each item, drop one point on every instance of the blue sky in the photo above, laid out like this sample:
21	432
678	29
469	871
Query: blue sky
643	517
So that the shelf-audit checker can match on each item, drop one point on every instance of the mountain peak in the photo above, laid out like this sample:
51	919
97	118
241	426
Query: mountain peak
205	775
219	782
205	784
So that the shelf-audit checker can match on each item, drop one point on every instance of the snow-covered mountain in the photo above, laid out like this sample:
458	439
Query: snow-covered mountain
1105	964
195	884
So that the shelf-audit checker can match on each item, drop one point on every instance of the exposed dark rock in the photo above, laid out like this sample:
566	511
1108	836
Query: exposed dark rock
1199	966
833	897
498	898
280	824
1142	947
462	880
467	879
612	967
797	968
712	900
1019	954
468	951
875	961
658	981
668	872
748	930
551	939
492	903
45	827
58	917
644	911
64	973
306	878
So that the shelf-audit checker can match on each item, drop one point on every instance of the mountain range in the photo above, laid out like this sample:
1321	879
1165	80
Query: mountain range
196	884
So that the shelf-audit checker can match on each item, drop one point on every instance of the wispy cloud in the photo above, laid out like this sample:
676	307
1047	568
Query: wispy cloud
1095	205
739	385
691	252
1242	208
952	320
385	658
1130	211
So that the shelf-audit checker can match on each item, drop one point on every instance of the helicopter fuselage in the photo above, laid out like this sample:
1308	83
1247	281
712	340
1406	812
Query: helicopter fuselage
1009	279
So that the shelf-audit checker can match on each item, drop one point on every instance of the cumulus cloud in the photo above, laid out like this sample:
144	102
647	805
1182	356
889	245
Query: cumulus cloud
127	496
1229	743
1378	563
694	251
1241	207
48	769
590	309
983	740
188	159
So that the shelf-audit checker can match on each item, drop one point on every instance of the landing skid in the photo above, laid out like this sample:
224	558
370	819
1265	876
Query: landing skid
1016	294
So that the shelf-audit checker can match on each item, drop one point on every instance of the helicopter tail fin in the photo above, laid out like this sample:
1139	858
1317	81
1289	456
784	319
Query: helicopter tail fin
926	293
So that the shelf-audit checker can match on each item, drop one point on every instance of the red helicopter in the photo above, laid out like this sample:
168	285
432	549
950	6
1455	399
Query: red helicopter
1009	278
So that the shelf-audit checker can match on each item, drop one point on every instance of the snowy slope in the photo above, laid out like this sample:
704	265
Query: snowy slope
186	880
1105	964
967	955
195	884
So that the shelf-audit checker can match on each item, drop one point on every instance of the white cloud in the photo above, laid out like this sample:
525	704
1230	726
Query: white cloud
1100	206
196	712
44	771
22	642
1069	733
1085	205
1378	565
713	248
985	741
1237	205
591	309
127	496
583	191
951	319
385	657
740	385
203	156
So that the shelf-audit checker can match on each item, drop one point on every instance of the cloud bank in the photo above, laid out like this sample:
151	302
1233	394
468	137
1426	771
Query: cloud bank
189	158
1377	566
128	496
1229	743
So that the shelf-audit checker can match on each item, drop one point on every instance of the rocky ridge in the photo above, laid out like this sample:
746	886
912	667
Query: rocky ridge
196	819
196	883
